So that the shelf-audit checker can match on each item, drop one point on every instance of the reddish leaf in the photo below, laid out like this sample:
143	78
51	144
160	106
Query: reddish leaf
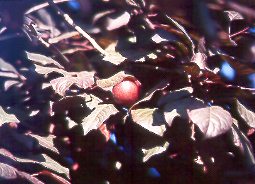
57	178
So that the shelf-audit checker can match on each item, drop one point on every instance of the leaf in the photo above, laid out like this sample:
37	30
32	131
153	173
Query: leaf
120	21
199	59
174	96
46	142
82	79
180	107
148	153
98	117
4	66
108	83
113	56
41	59
7	172
62	84
148	96
246	147
247	115
47	162
46	70
212	121
57	178
182	29
233	15
15	142
150	119
6	118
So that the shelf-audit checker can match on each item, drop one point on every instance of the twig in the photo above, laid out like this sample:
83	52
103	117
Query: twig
239	32
43	5
63	37
69	20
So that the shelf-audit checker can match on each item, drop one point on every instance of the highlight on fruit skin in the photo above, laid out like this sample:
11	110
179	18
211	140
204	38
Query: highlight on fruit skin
127	91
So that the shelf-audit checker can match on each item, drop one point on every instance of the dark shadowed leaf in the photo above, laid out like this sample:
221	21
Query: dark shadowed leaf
6	118
150	119
174	96
108	83
247	115
148	153
180	107
246	147
212	121
159	87
9	83
98	117
15	142
41	59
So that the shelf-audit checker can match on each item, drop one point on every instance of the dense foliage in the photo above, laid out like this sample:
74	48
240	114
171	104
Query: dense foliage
127	91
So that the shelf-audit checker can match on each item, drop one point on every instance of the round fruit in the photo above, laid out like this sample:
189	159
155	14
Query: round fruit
127	91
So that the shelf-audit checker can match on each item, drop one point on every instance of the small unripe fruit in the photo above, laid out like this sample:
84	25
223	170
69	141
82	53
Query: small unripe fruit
127	91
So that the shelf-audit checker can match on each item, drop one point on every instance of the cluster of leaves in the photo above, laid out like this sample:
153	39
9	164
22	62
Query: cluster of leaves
193	123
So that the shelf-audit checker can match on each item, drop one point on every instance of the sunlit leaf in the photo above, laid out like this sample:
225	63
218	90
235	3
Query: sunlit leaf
212	121
5	117
7	67
247	115
233	15
113	56
148	153
120	21
47	70
83	80
108	83
46	162
98	117
150	119
8	172
46	142
199	59
41	59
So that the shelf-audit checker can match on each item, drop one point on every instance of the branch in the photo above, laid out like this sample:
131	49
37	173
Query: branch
43	5
70	21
